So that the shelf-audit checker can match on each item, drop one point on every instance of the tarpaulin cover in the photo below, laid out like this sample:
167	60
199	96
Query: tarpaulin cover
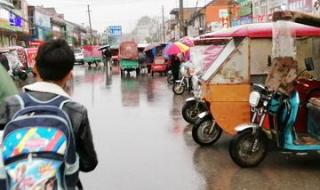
262	30
128	50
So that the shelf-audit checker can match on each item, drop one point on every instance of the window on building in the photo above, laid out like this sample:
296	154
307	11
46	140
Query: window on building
17	4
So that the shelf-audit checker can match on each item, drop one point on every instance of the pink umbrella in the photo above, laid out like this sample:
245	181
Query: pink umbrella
175	48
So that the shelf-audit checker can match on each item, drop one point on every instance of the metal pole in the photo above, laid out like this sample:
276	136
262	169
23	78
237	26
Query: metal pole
181	18
90	25
163	26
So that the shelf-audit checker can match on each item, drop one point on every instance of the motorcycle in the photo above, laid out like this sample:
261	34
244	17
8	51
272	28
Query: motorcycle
249	146
195	105
180	86
18	73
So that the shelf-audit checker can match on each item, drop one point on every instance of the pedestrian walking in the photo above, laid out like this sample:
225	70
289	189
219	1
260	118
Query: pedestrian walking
53	139
175	66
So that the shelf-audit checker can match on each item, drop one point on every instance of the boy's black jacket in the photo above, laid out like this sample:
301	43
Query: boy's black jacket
80	123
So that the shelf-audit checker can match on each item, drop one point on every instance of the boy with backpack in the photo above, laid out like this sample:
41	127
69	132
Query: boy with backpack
47	138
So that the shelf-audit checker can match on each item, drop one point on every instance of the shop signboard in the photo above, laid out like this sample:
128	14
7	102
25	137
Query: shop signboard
43	25
223	13
4	19
245	7
15	21
115	31
42	20
31	55
246	19
10	21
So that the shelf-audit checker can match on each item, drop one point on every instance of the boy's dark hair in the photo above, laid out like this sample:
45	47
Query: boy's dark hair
55	59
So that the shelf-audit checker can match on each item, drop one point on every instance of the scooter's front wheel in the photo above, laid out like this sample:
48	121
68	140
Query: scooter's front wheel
178	88
206	132
248	150
191	110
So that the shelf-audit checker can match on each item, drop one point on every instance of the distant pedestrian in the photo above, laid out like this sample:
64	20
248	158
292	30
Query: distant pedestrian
175	67
7	86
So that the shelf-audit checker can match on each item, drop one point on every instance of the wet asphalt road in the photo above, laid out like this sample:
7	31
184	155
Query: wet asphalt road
144	144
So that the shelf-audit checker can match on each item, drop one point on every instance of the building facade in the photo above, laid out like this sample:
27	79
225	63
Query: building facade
11	22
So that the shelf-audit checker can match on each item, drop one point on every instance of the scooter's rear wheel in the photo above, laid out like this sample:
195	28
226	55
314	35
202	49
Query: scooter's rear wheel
248	150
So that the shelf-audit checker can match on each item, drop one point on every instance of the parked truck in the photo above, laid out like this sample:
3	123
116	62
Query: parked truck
129	55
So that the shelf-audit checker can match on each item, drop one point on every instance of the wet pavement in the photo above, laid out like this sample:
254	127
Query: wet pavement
144	144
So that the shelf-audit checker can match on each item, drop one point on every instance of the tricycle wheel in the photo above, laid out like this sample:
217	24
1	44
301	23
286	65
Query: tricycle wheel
248	150
206	132
178	88
191	110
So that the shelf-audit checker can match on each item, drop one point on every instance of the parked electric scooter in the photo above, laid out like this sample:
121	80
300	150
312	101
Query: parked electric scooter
180	86
249	146
195	105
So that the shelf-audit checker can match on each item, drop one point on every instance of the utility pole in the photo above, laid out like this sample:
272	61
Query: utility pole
163	26
89	15
181	18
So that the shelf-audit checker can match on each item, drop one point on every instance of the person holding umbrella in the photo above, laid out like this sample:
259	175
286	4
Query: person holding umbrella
175	67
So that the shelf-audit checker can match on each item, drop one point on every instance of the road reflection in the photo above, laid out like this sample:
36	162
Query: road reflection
130	92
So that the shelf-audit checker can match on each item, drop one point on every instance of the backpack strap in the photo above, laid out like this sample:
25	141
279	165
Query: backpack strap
26	100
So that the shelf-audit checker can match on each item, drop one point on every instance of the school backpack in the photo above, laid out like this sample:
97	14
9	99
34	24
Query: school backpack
38	146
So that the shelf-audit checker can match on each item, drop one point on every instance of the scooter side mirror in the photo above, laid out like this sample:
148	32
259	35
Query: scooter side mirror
309	63
269	61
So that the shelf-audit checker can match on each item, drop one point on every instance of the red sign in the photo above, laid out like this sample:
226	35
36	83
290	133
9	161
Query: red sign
31	54
35	43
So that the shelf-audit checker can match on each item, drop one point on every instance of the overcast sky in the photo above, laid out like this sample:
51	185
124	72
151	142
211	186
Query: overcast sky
112	12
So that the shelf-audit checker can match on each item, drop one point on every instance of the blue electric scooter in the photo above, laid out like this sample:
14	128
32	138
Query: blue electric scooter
249	146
